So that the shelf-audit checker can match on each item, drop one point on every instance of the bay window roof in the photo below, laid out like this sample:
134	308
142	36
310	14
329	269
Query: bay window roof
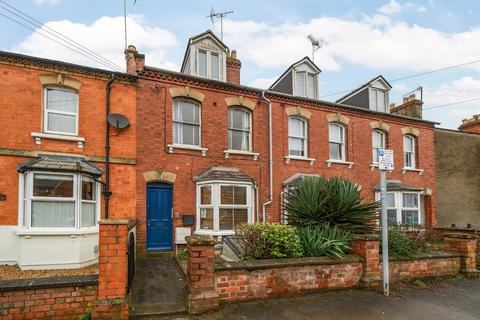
224	173
61	164
396	185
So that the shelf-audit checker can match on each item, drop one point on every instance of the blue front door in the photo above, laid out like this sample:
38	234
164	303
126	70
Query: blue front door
159	217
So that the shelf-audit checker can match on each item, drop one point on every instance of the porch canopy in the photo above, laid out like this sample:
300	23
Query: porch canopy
60	164
396	185
225	174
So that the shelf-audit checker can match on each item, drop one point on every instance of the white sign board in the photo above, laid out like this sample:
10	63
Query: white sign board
181	233
385	159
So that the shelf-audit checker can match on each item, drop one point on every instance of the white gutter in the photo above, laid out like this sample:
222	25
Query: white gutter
270	155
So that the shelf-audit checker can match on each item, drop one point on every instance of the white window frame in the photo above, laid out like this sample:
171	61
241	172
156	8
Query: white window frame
398	198
240	130
209	62
189	123
306	74
374	99
383	136
304	139
46	111
413	156
340	142
26	193
216	205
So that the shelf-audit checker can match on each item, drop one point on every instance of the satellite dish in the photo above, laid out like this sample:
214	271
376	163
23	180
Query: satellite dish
117	120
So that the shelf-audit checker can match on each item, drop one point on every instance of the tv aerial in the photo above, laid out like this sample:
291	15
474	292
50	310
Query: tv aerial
316	44
218	15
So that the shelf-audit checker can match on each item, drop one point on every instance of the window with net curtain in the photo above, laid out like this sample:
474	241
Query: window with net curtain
224	207
208	64
403	207
60	111
378	142
55	200
186	122
305	84
409	151
336	134
239	129
297	137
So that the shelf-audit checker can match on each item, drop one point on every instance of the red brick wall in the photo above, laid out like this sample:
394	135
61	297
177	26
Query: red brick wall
154	111
21	115
401	270
51	303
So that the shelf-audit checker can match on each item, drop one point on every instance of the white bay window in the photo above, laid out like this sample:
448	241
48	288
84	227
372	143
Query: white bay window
53	200
404	207
223	206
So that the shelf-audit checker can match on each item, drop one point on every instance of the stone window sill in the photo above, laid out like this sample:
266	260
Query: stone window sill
41	135
345	163
171	147
241	153
311	160
215	233
419	171
53	232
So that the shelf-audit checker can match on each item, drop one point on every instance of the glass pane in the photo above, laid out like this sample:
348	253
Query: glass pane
226	219
300	84
240	217
380	100
238	140
239	119
214	65
88	188
391	217
408	160
226	194
410	200
390	200
88	214
296	147
45	185
296	127
61	123
335	151
186	134
409	216
311	86
240	195
206	195
62	100
53	214
407	143
206	218
375	155
378	139
186	111
202	63
335	133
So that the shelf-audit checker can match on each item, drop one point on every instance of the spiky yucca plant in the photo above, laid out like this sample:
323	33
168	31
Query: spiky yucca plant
324	241
318	201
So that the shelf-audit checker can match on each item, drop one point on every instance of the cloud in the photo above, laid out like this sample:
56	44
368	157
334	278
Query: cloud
105	36
457	90
375	42
393	7
262	83
49	2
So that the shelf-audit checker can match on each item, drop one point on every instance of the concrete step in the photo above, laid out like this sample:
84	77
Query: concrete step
157	310
157	254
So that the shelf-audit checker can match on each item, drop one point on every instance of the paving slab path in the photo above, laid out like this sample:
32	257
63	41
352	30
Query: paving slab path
457	299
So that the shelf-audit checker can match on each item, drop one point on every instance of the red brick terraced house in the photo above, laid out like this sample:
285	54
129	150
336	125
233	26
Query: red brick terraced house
52	159
213	154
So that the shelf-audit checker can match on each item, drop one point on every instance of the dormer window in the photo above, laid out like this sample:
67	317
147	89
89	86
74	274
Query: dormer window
305	84
378	99
208	65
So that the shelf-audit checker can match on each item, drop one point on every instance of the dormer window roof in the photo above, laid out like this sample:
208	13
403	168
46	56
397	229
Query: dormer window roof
205	57
300	79
373	95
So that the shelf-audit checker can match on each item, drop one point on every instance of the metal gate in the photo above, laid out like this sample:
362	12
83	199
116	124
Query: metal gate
131	260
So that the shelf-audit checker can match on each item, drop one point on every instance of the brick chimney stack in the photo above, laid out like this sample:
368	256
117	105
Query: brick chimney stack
471	125
410	107
135	61
233	67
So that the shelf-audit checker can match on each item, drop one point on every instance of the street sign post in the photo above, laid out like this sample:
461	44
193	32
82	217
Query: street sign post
385	163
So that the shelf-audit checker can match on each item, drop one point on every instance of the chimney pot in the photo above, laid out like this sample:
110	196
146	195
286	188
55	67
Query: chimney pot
134	60
405	99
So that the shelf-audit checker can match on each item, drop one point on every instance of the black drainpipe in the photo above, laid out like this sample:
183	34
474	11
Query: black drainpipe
106	192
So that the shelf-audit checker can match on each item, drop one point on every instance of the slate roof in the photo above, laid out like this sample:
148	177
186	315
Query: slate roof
293	65
395	185
196	37
223	173
366	84
60	163
297	177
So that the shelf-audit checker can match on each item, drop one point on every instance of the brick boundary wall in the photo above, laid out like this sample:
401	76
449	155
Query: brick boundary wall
466	245
55	298
368	247
439	232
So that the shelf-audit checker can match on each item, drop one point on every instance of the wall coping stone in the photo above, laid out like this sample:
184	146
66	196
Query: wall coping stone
50	282
130	222
426	256
371	236
200	240
459	235
284	262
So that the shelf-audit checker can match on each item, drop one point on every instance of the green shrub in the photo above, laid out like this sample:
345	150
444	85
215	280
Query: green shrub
183	255
324	241
403	242
86	316
317	201
267	241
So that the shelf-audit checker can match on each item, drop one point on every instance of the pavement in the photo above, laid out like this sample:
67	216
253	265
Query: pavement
453	298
